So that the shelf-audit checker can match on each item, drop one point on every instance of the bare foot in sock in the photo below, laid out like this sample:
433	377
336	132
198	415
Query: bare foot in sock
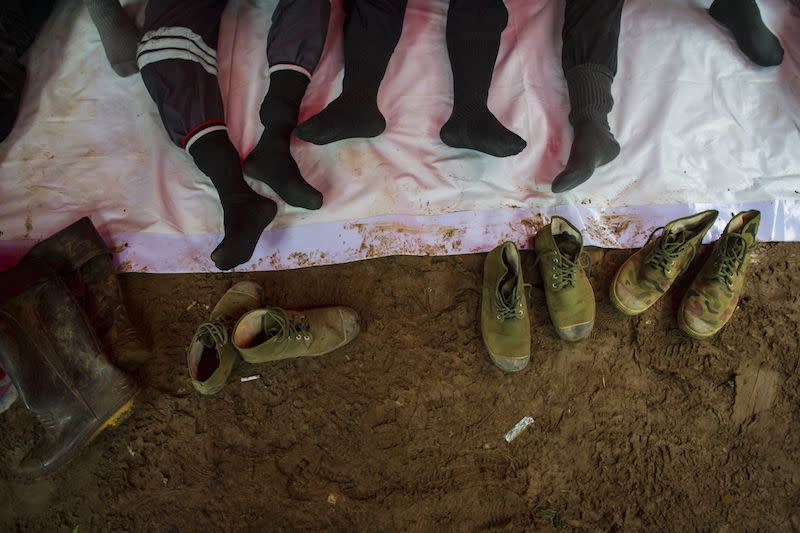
743	19
478	129
347	117
279	170
246	215
593	146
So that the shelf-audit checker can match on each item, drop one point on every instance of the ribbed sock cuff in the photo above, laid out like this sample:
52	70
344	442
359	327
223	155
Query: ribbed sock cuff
589	93
282	101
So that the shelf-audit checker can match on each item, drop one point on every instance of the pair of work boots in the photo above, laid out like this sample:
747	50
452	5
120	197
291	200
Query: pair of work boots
712	297
240	325
64	332
505	317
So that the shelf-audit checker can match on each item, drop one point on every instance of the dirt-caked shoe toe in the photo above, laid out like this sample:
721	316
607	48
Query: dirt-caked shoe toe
272	333
562	264
211	354
505	322
651	271
712	297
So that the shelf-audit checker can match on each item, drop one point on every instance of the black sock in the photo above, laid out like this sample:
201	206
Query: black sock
355	114
593	144
473	39
245	212
21	21
743	19
271	160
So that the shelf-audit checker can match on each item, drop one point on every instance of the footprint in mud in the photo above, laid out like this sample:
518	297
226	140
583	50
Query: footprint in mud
756	389
302	466
383	426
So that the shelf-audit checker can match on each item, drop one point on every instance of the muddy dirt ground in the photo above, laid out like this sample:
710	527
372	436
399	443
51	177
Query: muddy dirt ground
637	428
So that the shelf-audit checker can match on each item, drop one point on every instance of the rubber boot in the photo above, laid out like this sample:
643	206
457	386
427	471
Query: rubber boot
50	351
79	254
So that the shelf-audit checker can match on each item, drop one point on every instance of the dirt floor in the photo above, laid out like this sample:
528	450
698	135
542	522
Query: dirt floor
637	428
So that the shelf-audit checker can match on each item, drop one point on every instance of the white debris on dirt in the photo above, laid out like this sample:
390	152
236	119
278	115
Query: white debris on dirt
518	428
250	378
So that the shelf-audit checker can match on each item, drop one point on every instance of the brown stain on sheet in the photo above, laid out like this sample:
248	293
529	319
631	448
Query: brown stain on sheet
392	238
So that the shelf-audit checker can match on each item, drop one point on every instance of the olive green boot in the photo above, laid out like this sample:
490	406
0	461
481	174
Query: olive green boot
272	334
712	297
211	355
505	323
570	298
650	272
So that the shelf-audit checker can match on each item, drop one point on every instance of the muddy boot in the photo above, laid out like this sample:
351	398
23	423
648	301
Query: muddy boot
49	349
714	293
211	354
272	334
79	254
562	263
505	322
650	272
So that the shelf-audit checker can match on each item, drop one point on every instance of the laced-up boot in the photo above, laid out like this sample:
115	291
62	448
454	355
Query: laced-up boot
272	334
505	322
563	264
211	354
712	297
651	271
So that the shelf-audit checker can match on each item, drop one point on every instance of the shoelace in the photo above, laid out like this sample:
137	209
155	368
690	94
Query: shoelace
513	307
285	325
667	250
732	251
564	269
213	334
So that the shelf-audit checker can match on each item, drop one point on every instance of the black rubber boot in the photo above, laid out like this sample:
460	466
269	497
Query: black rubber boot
49	349
743	19
593	144
80	256
271	160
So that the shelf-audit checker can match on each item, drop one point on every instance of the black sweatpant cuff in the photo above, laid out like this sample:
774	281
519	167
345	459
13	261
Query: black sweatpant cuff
589	93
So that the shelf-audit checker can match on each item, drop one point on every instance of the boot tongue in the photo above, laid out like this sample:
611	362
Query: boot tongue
509	281
212	334
271	326
568	245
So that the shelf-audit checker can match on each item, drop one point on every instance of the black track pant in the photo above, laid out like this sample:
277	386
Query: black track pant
382	20
177	57
591	34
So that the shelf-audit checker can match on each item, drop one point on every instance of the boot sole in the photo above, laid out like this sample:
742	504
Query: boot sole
689	331
118	416
121	414
509	364
562	332
619	305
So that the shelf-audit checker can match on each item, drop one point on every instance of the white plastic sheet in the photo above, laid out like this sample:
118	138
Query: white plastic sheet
700	127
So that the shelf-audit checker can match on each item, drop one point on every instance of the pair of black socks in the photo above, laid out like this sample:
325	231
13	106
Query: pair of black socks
246	213
473	40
